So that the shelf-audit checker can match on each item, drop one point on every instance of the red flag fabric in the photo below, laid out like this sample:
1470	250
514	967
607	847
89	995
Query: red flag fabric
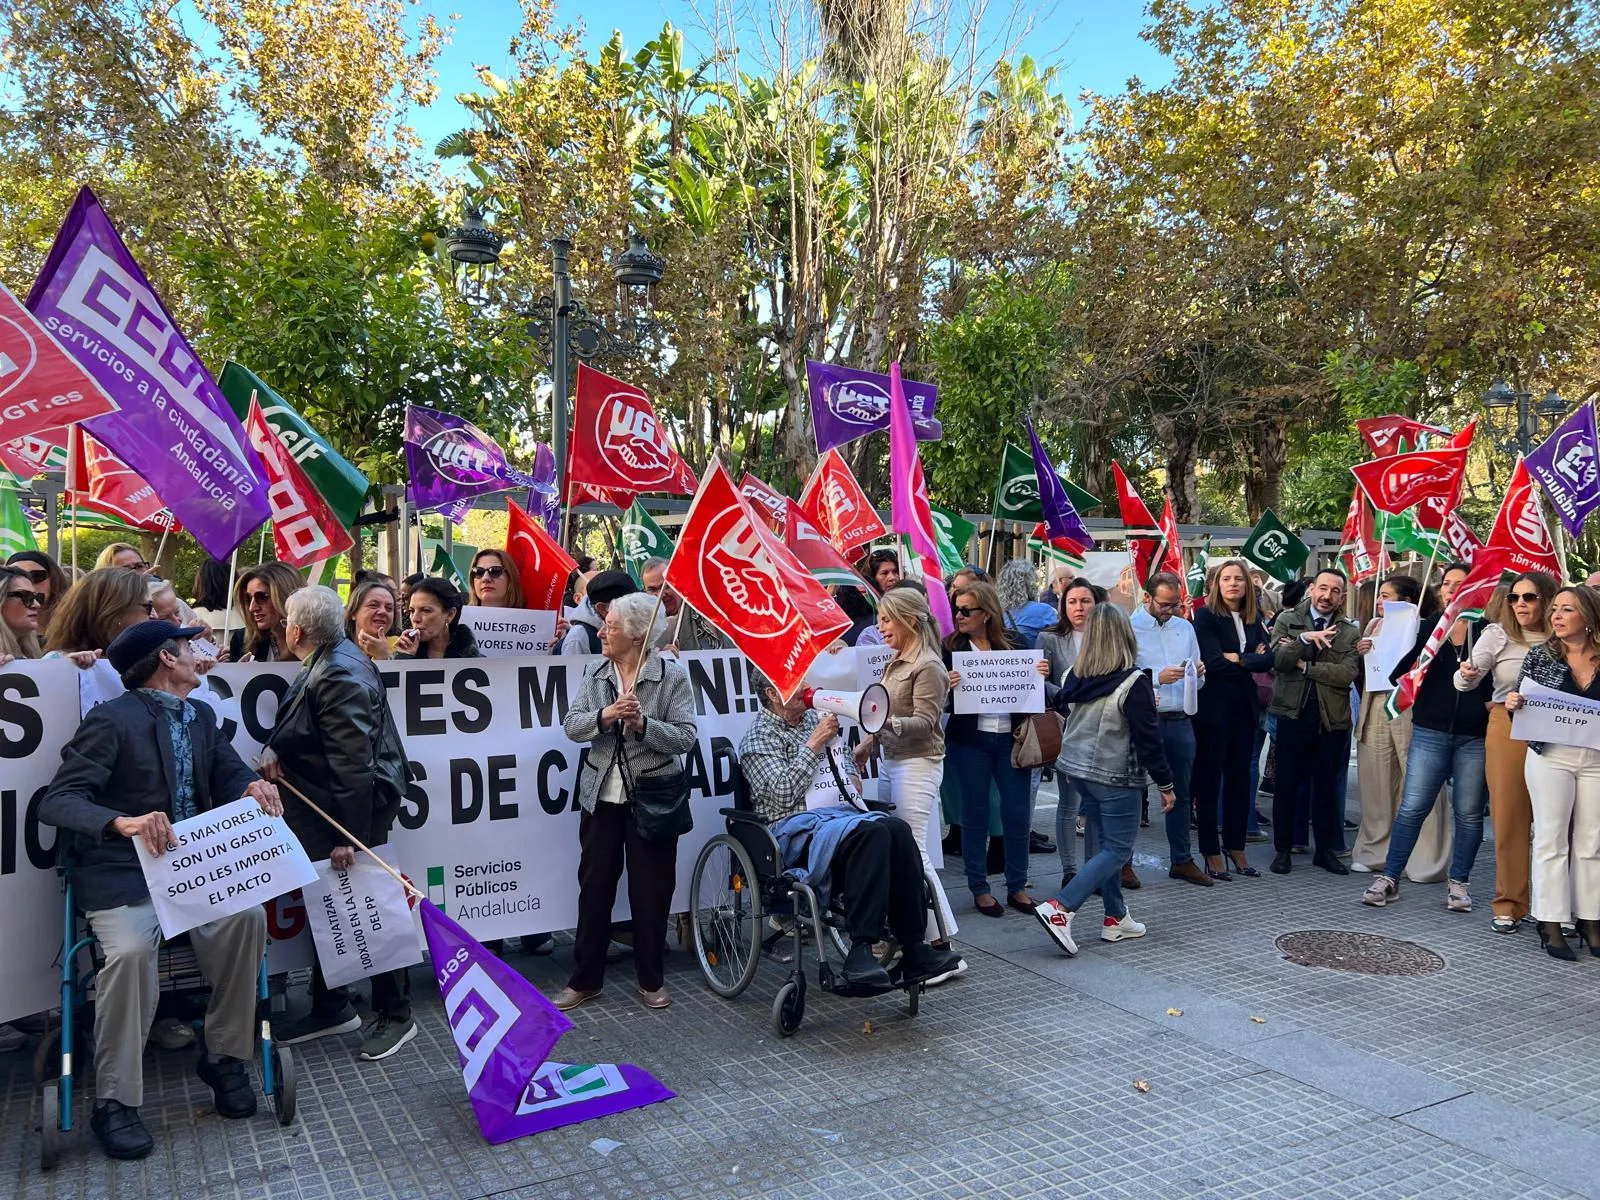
836	505
1136	515
1360	552
582	492
41	385
1385	434
617	442
812	547
1172	542
106	484
542	564
771	505
737	575
1397	482
43	453
304	528
1468	602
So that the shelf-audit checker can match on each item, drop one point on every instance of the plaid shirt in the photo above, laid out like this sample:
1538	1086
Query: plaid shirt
780	767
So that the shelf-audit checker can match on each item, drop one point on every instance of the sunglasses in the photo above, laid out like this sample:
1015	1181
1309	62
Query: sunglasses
251	599
489	572
963	611
1525	597
149	608
34	576
27	599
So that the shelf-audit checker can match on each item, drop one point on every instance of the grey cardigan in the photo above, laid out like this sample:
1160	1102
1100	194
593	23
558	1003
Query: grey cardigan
669	730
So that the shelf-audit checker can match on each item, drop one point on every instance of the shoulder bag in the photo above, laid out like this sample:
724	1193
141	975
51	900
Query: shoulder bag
660	802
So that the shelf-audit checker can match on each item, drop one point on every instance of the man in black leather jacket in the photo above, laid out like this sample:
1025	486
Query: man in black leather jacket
336	741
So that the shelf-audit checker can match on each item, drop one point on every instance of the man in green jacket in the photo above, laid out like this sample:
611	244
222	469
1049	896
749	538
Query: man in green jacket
1315	662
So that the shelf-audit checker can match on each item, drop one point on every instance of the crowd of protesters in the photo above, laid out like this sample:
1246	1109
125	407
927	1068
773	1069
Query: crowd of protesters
1186	713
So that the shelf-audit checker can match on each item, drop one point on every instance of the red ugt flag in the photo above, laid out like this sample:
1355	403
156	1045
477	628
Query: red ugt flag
1388	435
618	444
542	565
1137	515
41	385
1360	552
836	505
736	574
304	528
1395	483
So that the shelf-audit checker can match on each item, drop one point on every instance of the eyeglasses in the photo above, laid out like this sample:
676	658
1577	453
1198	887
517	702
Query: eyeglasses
27	599
489	572
35	576
251	599
1525	597
149	608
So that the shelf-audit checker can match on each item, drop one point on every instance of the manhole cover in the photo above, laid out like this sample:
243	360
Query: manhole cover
1363	953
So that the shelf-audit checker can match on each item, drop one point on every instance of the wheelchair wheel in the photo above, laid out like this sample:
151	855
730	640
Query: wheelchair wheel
789	1008
283	1084
47	1057
50	1127
725	908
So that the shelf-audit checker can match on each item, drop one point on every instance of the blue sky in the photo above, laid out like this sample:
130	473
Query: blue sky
1095	43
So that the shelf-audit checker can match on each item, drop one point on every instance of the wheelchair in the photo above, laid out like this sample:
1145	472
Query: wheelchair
53	1072
739	881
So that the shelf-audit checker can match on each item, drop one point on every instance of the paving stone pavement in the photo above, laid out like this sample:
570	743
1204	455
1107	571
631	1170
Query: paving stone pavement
1016	1080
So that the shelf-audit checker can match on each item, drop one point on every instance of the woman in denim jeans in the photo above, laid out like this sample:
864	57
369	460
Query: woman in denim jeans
1447	737
978	750
1060	646
1112	741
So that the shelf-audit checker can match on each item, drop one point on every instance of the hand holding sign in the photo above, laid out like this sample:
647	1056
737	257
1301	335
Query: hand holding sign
997	681
153	829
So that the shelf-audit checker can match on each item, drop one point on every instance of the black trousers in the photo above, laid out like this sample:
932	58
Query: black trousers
391	993
1308	752
877	870
607	838
1222	750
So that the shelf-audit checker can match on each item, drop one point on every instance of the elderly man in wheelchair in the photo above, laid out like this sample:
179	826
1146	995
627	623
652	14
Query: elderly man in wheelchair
805	786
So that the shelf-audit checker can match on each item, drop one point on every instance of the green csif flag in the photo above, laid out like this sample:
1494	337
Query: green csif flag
640	539
15	532
445	564
1274	549
1016	496
341	485
1196	577
953	533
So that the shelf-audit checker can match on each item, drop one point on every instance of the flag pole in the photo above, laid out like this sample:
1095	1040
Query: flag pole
352	839
161	546
72	486
1557	533
227	611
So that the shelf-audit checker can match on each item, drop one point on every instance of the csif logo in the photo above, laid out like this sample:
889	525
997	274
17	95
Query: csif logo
1272	544
638	543
1019	492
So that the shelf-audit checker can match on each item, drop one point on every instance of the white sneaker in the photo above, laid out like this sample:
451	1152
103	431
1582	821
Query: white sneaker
1381	891
169	1033
945	976
1361	868
1459	899
1118	931
1057	922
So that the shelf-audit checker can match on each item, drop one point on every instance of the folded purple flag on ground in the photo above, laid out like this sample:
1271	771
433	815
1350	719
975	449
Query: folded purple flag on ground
504	1030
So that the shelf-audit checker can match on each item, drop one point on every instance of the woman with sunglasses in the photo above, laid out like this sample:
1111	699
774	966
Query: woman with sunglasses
48	579
20	603
1514	626
262	598
495	582
978	753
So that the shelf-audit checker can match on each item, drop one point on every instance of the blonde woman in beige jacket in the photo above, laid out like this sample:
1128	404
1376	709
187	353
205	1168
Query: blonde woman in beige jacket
910	747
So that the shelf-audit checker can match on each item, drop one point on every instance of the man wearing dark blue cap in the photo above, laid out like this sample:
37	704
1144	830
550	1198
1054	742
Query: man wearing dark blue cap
138	763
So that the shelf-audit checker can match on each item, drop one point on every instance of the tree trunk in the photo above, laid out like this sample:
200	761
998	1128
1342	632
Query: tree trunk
1179	435
1263	481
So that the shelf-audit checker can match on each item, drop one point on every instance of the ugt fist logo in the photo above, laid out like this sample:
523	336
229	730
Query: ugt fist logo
739	576
630	436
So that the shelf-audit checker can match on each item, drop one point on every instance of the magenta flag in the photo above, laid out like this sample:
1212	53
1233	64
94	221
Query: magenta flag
909	510
504	1030
175	427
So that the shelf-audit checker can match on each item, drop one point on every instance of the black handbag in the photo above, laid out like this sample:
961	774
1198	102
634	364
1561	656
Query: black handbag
660	802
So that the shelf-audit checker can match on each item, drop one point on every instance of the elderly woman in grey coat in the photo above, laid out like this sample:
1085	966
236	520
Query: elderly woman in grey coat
636	711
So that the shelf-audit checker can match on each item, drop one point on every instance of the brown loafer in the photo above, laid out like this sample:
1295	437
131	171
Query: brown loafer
569	998
655	999
1129	879
1189	873
1022	902
988	906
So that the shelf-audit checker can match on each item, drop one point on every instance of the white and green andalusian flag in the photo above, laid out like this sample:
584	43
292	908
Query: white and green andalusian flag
15	532
1273	548
639	540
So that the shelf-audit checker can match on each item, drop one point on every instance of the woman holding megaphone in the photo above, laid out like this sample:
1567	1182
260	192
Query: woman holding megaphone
911	744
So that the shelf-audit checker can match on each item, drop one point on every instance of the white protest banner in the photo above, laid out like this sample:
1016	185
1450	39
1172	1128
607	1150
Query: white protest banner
998	681
1547	715
1396	635
360	921
510	632
825	791
223	861
38	713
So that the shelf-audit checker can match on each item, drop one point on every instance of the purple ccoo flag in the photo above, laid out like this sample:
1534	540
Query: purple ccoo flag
450	460
175	427
847	404
504	1030
1061	520
1566	469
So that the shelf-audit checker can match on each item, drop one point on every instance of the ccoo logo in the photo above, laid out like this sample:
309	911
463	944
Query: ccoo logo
632	440
737	569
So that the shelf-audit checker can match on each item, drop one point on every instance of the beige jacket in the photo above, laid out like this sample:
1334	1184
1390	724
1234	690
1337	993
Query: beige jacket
917	691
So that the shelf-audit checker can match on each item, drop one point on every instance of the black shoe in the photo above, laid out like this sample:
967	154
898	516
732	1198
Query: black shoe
1282	863
1066	878
316	1025
924	962
1329	862
1555	942
121	1133
862	969
1039	843
231	1092
1589	934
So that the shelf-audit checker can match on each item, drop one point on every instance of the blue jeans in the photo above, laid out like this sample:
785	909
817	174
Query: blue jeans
1069	803
1113	812
1434	759
1177	739
974	765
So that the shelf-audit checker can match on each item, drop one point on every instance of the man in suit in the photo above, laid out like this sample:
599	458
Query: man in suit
336	741
137	764
1314	663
